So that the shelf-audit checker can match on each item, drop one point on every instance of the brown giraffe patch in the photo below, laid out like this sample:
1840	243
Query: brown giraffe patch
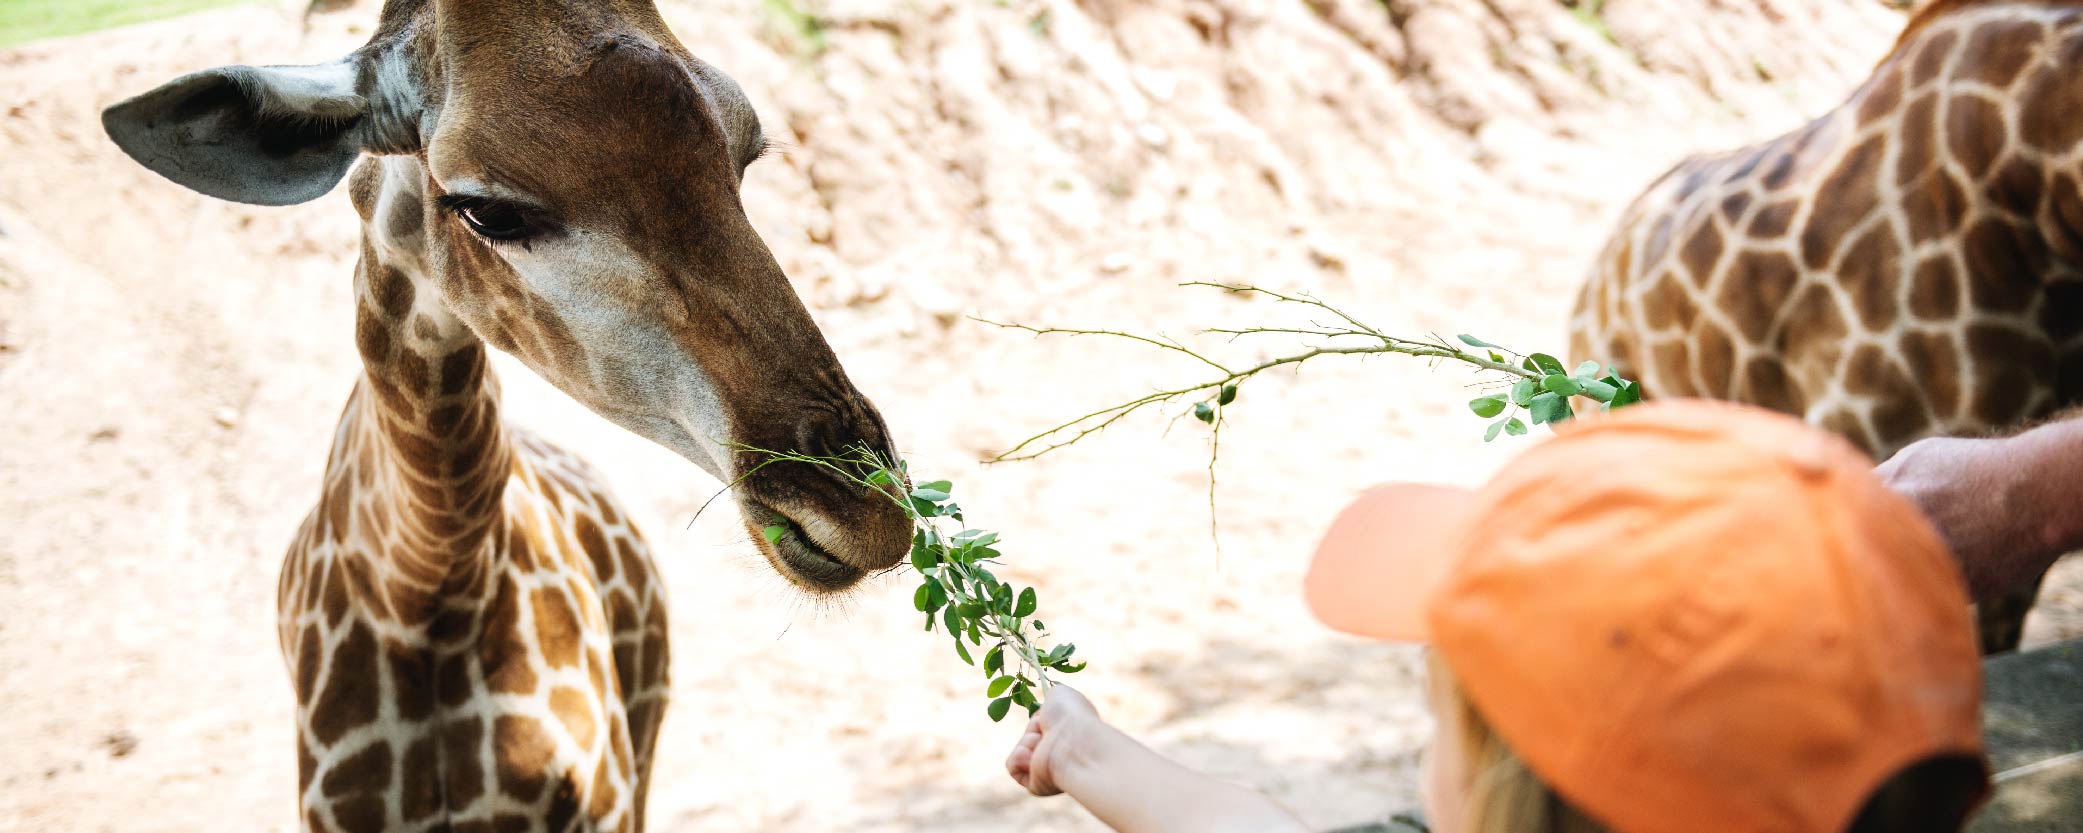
557	629
1975	133
1845	197
1754	291
1898	412
1917	155
1934	359
1813	324
462	751
1997	51
1931	58
504	646
371	766
1766	384
1934	207
351	687
2053	102
574	709
1998	275
1714	361
2007	366
1935	293
1883	94
421	779
1700	252
524	752
360	814
1870	276
1732	208
1773	219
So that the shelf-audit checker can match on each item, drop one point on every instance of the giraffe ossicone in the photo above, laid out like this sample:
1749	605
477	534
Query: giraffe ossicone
1908	264
475	631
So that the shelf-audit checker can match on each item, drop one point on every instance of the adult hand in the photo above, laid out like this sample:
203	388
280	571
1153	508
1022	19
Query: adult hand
2006	507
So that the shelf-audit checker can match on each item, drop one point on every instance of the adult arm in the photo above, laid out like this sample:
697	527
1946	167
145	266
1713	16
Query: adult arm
1068	749
2007	506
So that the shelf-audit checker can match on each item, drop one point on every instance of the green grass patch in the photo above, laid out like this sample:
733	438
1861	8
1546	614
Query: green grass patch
22	21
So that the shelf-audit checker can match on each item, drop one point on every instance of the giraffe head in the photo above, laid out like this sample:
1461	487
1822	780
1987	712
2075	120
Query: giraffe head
562	179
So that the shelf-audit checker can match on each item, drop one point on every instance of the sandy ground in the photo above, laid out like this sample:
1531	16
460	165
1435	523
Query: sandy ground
170	369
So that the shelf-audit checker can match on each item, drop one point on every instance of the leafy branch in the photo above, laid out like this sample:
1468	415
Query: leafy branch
1536	383
957	591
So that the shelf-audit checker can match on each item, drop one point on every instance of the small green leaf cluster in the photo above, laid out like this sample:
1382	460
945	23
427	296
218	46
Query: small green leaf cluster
957	591
960	595
1543	388
1206	409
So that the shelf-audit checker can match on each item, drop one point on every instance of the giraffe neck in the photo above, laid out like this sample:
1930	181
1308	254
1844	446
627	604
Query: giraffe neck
424	426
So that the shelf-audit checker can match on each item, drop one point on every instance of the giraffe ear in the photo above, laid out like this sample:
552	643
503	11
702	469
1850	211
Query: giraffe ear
258	135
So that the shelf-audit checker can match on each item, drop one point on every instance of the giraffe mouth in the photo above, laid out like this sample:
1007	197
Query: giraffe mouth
799	559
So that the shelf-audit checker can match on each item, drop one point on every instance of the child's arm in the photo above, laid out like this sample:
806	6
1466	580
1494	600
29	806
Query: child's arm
1069	749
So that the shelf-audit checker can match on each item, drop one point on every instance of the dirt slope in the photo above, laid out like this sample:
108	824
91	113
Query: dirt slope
170	368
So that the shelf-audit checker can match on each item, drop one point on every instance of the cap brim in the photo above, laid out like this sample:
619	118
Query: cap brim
1384	558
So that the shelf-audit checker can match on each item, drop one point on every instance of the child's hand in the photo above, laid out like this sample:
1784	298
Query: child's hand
1065	715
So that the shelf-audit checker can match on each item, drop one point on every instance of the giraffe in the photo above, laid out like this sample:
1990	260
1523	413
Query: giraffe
474	630
1908	264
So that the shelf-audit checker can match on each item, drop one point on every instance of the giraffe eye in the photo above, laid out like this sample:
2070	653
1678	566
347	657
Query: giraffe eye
495	221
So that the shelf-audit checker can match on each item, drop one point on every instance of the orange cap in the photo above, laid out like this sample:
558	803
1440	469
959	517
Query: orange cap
1685	616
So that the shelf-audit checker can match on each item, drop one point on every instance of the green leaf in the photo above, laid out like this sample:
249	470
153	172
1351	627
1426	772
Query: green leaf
936	596
1025	697
1560	385
1548	407
1514	427
950	617
924	556
929	621
1546	363
922	598
1027	603
1599	391
1497	357
1203	412
1039	626
942	486
1523	391
1070	668
881	477
994	661
1587	370
1228	395
963	651
998	686
928	495
1472	341
1629	394
1059	653
1492	432
1487	406
999	707
774	533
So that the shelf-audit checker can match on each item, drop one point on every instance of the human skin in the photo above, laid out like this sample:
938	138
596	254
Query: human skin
1068	749
2006	506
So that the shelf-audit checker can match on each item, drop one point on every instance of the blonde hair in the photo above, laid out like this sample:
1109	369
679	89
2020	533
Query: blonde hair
1935	795
1503	795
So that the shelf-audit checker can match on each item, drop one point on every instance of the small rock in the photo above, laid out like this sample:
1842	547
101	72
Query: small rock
1326	260
104	434
120	744
226	417
1115	263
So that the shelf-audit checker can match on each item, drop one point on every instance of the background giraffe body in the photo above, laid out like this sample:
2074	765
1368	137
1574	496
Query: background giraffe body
1909	264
